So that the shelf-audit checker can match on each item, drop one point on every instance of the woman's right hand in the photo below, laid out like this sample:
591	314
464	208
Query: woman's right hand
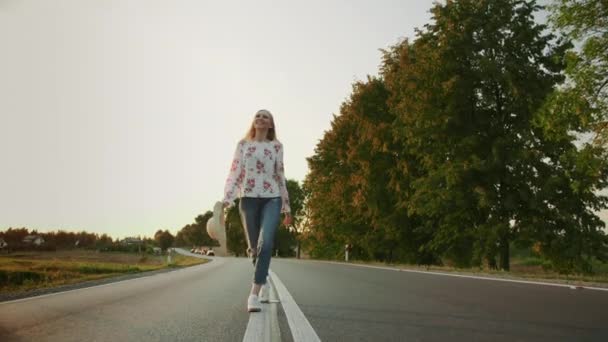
225	206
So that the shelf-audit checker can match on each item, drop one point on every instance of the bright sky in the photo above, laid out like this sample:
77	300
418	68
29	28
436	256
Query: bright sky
121	117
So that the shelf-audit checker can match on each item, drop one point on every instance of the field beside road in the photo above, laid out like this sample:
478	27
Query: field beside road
25	271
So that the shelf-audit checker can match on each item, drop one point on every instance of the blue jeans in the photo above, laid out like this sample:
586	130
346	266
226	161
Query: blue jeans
260	215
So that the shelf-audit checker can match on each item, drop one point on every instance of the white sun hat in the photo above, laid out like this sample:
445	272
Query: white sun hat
215	225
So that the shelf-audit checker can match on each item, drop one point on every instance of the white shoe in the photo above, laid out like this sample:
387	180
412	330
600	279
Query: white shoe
253	303
265	293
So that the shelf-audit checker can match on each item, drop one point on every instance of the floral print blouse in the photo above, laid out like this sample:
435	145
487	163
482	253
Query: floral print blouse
257	171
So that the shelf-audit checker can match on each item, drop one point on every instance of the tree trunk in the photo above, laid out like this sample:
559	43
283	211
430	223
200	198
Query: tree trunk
298	255
504	254
492	262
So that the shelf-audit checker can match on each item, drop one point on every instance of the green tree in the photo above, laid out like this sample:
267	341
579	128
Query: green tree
235	233
180	239
287	238
460	149
195	234
201	229
330	221
577	110
164	239
348	199
465	94
585	22
371	155
296	201
104	242
14	236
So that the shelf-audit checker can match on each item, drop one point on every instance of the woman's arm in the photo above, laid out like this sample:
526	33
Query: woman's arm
280	169
235	177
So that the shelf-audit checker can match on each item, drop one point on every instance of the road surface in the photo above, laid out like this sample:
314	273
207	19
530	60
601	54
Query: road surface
311	301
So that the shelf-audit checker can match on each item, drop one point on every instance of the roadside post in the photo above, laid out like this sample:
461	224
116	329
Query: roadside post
347	249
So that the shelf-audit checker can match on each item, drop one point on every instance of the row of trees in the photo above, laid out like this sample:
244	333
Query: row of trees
193	234
59	239
287	239
473	138
64	240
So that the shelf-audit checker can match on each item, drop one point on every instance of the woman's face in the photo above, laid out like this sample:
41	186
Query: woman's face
262	120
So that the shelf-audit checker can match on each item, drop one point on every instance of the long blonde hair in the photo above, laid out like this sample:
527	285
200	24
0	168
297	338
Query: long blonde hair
272	132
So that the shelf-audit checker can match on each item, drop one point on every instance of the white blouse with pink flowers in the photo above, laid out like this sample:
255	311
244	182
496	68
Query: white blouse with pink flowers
257	171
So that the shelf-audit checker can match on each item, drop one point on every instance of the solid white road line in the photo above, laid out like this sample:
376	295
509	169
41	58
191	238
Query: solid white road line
264	325
573	287
301	330
275	331
255	327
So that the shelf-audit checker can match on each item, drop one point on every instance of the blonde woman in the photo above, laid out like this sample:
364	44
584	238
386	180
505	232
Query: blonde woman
257	177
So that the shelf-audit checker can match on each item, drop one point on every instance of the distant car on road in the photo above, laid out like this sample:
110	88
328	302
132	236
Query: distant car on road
203	251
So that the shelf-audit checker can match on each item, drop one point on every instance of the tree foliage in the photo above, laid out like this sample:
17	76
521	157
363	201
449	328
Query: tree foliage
195	234
585	22
164	239
235	231
461	147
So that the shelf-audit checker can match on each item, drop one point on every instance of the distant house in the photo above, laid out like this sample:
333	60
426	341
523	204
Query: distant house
3	243
131	241
33	240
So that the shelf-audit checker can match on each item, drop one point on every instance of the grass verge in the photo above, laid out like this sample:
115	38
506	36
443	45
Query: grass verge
523	269
29	271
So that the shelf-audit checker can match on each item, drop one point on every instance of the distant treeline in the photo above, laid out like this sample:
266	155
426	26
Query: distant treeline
191	235
286	239
16	239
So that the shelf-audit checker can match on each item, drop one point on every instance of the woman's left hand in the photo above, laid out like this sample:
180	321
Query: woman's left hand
287	220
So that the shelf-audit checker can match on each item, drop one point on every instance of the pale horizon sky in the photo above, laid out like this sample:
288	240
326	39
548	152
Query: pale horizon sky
121	117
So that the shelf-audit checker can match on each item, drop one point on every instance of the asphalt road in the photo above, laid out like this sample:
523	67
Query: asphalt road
350	303
199	303
337	303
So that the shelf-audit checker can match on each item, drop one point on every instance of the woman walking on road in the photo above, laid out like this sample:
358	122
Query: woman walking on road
257	177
